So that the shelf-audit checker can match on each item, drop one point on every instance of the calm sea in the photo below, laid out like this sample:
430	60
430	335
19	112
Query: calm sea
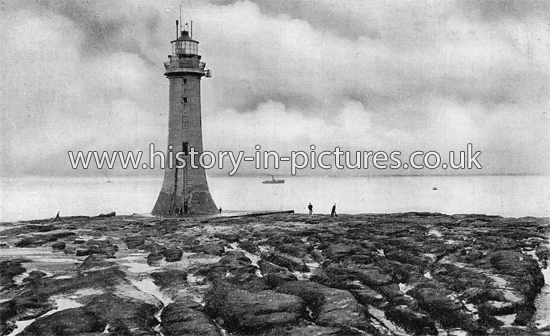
511	196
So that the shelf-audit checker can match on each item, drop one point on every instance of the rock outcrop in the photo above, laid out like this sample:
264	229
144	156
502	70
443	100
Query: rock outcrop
275	275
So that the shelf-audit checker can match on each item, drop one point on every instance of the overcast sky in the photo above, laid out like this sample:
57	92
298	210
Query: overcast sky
363	75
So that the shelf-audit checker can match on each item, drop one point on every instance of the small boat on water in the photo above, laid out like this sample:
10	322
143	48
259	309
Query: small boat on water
434	188
273	181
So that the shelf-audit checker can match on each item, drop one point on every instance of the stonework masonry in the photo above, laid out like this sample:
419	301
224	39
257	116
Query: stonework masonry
184	190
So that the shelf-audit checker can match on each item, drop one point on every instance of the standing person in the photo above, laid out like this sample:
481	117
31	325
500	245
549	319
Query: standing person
310	208
220	211
333	212
57	218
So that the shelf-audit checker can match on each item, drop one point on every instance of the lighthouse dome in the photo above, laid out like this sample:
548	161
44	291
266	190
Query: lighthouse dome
185	45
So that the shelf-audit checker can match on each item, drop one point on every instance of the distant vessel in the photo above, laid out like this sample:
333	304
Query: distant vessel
434	188
273	181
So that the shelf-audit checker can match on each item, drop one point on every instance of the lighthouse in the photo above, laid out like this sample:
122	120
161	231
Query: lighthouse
184	189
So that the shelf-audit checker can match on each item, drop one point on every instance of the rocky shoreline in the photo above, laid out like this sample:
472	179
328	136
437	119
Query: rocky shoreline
275	274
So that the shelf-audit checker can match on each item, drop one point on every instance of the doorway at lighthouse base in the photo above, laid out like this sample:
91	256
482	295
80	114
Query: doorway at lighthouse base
199	202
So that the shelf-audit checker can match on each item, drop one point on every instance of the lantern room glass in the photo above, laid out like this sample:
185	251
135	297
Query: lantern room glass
185	48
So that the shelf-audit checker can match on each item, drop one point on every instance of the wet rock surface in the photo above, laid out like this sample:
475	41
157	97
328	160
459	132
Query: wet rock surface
251	311
279	274
185	318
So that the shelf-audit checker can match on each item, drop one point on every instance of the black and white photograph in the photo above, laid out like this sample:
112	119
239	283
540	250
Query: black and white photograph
275	167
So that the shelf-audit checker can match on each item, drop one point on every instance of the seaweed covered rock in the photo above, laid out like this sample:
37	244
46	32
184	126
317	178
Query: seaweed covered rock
328	306
75	321
247	311
182	318
412	321
292	263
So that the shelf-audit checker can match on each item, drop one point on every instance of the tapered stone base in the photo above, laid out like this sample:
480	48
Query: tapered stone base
199	202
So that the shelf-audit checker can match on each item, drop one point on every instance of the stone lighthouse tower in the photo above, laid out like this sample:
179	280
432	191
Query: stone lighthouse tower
185	189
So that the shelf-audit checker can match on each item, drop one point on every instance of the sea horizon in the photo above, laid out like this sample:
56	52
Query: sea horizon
34	197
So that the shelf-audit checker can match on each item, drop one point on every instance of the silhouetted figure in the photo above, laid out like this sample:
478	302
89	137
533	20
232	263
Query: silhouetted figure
310	208
333	212
220	211
185	207
57	218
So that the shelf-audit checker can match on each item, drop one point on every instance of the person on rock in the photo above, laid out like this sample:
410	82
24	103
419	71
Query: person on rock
333	212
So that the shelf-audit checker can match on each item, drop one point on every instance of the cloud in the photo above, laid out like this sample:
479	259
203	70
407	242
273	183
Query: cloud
494	10
374	75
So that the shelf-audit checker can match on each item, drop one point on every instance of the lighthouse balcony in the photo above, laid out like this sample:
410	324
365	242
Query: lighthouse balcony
173	68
